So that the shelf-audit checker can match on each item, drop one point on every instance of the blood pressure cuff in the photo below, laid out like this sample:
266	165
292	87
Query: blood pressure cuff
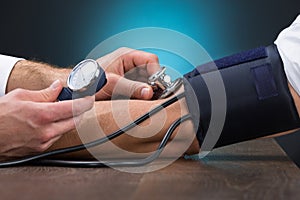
258	100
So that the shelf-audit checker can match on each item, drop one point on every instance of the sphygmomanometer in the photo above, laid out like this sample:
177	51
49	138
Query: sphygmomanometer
85	79
258	103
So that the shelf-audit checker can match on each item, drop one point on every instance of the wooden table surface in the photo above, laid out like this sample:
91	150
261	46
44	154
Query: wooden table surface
251	170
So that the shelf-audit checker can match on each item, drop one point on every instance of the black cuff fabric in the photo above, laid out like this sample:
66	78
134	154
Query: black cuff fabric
258	100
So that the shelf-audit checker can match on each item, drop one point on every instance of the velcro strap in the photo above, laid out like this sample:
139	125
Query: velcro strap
264	81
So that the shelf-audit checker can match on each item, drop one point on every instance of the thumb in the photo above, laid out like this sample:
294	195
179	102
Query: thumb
134	89
49	94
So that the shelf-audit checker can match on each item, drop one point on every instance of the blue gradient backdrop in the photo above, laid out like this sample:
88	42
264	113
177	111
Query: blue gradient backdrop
63	32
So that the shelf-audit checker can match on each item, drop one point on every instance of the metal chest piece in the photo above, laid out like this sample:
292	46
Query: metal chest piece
162	84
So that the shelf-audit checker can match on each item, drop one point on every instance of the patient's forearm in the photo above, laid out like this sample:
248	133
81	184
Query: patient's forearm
113	115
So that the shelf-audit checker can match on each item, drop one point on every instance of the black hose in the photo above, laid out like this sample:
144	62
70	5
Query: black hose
119	163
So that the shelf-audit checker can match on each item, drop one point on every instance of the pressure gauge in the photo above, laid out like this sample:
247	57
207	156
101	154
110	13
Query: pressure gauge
86	79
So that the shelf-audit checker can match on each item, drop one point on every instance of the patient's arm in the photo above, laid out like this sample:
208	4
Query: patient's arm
112	115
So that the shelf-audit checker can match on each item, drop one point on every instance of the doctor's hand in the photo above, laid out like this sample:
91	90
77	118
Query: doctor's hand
127	71
31	121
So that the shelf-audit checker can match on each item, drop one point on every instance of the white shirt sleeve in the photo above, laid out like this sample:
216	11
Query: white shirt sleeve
7	63
288	44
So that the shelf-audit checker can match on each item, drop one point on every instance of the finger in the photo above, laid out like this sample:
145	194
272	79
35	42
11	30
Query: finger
108	59
133	89
140	58
65	109
49	94
61	127
48	144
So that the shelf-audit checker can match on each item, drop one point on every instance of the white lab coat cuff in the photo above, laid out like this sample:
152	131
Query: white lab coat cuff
7	63
288	44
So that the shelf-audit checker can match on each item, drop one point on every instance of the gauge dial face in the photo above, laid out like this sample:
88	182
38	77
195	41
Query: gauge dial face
83	74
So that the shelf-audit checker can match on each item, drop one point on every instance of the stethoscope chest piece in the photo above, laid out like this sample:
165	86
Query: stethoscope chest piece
162	84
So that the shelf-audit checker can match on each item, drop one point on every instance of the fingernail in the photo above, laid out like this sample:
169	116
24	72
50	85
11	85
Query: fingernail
145	92
55	85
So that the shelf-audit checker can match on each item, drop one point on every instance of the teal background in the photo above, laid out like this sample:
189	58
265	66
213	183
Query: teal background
63	32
